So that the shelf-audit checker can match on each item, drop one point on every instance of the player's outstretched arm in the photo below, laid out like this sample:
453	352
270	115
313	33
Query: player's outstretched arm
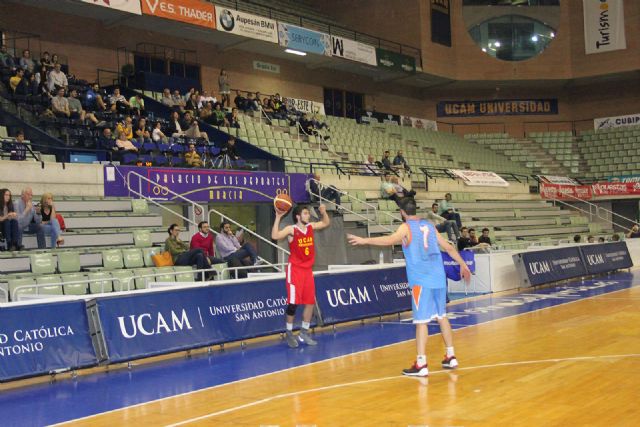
389	240
465	273
324	221
276	233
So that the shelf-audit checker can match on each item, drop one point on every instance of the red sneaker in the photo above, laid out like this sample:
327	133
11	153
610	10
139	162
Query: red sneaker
450	362
416	371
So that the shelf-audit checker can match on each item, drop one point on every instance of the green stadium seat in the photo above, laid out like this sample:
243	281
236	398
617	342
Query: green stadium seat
147	253
102	283
42	263
139	206
76	288
68	262
168	274
142	238
132	258
141	282
53	280
184	274
123	283
14	284
112	259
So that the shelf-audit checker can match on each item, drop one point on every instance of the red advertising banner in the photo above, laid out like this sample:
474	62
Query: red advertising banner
565	192
616	188
193	12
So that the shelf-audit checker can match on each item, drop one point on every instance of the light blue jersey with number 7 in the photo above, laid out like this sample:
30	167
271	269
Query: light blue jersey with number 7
422	254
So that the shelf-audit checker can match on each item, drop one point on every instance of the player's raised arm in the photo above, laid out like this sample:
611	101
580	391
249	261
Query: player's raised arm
389	240
276	233
465	273
324	221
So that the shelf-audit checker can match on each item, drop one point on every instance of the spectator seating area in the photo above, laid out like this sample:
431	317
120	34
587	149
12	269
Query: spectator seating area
611	151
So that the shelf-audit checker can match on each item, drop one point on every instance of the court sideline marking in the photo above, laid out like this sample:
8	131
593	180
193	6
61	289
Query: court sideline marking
335	386
322	361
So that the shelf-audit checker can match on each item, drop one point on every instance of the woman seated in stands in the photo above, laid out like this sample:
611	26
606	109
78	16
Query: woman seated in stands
123	143
218	114
206	113
9	221
181	253
157	135
50	224
141	132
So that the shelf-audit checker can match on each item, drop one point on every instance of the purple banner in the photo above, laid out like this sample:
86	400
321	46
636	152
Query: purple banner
204	185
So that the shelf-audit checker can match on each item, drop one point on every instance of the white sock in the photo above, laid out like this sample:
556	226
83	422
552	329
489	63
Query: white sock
421	360
305	325
450	352
290	327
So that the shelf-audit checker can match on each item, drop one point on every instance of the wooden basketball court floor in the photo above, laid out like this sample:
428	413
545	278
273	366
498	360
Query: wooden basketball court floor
567	355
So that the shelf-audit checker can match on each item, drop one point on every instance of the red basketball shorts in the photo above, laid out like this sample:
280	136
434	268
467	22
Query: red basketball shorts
301	288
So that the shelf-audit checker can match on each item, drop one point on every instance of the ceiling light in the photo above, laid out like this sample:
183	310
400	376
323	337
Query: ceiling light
497	44
534	38
295	52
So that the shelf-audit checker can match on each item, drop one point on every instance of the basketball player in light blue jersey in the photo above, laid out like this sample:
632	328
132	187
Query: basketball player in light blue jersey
421	245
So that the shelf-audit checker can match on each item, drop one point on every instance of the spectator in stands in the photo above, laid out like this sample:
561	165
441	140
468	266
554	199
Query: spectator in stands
28	221
50	224
577	238
386	188
187	96
119	103
192	104
141	132
240	101
175	128
224	88
601	239
106	141
230	149
205	98
192	127
124	129
386	161
9	221
615	237
316	188
634	232
219	116
369	166
94	100
60	104
279	106
17	81
123	142
484	238
45	65
443	225
205	113
26	63
229	248
75	108
137	104
448	211
307	125
253	102
181	253
19	148
192	158
591	239
400	190
6	60
400	162
267	106
167	99
204	240
178	100
32	87
54	59
233	120
464	241
57	79
157	135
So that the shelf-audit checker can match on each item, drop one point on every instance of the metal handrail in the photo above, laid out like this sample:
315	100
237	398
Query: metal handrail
254	267
37	286
193	204
597	210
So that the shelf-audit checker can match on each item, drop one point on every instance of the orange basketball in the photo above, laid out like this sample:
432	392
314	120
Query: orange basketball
282	203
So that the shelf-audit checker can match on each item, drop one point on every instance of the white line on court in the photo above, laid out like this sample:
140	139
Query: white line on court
320	361
354	383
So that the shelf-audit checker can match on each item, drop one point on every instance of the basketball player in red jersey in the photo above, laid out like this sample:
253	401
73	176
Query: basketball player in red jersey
301	288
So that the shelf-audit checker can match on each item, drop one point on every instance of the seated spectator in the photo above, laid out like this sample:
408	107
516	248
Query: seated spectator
60	104
316	188
188	95
205	98
386	188
219	116
474	239
232	119
192	104
400	162
157	135
443	225
601	239
175	128
205	113
577	238
591	239
119	103
18	81
465	240
93	99
136	103
75	108
125	128
167	99
178	101
484	238
192	129
181	253
239	101
47	210
307	125
123	142
615	237
19	148
369	166
45	65
386	162
106	141
230	149
141	132
9	221
26	63
56	79
32	87
448	211
228	248
192	158
634	232
28	220
6	60
204	240
400	190
267	106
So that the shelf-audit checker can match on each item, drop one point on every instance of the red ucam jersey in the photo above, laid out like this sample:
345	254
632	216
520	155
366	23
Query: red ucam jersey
302	247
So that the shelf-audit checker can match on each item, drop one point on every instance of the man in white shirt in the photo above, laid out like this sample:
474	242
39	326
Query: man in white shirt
204	98
56	78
